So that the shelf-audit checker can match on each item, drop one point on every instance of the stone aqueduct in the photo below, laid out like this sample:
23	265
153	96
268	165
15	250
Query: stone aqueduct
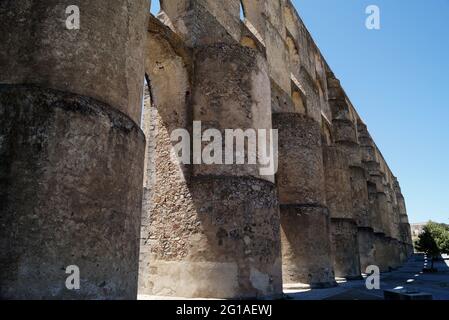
73	154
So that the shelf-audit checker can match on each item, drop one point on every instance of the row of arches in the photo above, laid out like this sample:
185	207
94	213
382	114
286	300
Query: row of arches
252	16
165	228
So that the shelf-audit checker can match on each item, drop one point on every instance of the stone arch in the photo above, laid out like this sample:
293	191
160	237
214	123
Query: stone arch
253	12
242	11
293	51
326	131
320	72
299	101
318	65
182	253
166	108
250	37
322	97
167	77
155	7
352	113
290	19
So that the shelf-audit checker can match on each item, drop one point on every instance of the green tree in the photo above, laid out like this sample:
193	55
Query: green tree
445	241
434	240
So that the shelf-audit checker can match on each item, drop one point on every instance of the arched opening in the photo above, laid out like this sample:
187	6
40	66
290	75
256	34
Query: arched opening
320	91
250	17
155	7
326	132
184	234
242	12
165	110
319	69
322	96
352	113
293	51
298	102
290	19
148	98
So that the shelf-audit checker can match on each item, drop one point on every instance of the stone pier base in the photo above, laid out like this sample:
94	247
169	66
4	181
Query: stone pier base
396	252
381	255
64	197
403	252
306	247
365	239
409	251
225	245
345	248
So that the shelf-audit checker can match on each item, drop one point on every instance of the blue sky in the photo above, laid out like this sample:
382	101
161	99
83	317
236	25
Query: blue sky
155	7
398	79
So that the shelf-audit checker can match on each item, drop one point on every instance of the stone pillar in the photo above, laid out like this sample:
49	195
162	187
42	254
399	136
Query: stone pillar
399	257
381	251
237	204
168	211
360	202
402	255
383	248
306	249
406	237
391	227
375	195
215	229
343	185
365	240
404	225
71	151
389	218
343	225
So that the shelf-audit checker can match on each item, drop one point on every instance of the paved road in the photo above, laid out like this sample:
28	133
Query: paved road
410	276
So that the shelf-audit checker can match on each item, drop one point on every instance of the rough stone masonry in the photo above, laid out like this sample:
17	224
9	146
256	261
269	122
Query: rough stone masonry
79	185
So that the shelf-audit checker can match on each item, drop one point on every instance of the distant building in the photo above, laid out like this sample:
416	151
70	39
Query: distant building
417	228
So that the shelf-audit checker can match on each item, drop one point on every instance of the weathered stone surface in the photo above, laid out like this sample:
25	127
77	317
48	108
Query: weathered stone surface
338	182
72	160
224	244
360	198
63	205
300	176
345	248
383	254
343	223
232	91
102	60
344	131
306	248
209	230
300	182
234	67
366	243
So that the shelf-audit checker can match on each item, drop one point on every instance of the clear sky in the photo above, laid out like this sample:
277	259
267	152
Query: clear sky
155	7
398	79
